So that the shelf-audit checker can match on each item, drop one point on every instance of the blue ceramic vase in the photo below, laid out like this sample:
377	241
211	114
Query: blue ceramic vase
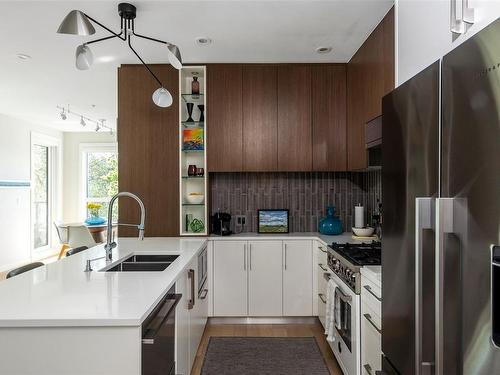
95	220
331	224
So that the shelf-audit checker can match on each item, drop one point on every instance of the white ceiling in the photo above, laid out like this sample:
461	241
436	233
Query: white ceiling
242	31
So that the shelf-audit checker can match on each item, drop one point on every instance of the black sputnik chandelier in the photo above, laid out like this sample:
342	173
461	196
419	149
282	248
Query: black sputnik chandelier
79	23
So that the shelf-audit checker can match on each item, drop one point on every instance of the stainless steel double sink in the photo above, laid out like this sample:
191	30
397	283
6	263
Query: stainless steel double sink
144	262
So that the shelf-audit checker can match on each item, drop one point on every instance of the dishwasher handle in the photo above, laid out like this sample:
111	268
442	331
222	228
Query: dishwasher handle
161	317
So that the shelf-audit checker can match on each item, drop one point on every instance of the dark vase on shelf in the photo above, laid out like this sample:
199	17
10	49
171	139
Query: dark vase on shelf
201	107
192	170
190	111
195	86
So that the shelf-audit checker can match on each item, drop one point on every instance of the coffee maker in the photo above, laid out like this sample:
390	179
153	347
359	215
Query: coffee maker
221	223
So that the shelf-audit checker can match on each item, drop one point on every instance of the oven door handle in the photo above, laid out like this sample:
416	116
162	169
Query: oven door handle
169	305
344	297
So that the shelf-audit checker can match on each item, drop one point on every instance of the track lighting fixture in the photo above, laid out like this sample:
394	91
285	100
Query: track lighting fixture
79	23
100	124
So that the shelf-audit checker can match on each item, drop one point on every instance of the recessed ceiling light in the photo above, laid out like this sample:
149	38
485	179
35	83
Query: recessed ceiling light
324	50
23	56
203	41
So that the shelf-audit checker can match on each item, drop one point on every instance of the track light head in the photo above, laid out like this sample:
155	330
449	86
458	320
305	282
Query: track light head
82	121
76	23
63	115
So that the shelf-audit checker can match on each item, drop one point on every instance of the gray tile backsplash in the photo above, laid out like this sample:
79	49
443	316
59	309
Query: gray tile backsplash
305	194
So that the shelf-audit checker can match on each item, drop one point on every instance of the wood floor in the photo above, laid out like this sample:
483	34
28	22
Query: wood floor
267	330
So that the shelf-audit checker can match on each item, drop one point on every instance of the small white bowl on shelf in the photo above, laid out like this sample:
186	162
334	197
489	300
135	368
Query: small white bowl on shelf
363	232
195	198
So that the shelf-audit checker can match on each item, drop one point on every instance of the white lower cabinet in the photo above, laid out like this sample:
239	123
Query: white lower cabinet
371	327
191	317
265	284
250	278
230	278
297	278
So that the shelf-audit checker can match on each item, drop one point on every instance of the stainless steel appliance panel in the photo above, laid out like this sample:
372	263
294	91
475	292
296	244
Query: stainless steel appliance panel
471	180
410	160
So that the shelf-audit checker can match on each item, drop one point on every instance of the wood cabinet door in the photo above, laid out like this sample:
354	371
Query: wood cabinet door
329	137
370	76
224	118
294	118
297	278
230	278
148	150
265	284
260	118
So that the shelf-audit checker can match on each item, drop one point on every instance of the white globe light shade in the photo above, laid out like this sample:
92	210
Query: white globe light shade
162	98
84	57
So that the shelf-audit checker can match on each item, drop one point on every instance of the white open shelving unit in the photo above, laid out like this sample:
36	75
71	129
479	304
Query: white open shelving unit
188	156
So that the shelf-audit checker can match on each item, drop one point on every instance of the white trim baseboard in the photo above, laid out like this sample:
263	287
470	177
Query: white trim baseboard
264	320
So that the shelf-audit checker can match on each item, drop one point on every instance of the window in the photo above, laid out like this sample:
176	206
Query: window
100	176
45	198
40	196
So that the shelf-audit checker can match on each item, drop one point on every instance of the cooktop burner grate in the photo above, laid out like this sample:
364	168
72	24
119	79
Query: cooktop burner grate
363	254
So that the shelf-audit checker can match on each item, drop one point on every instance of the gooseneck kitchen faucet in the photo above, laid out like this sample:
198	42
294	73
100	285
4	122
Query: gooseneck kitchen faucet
110	244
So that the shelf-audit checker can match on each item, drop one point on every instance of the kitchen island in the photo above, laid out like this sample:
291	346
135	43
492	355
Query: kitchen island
58	319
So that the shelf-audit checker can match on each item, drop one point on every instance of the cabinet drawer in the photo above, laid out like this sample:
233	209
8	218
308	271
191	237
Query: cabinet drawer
322	285
371	294
321	249
371	341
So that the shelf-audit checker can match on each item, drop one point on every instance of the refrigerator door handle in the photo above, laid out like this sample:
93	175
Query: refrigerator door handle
424	219
451	218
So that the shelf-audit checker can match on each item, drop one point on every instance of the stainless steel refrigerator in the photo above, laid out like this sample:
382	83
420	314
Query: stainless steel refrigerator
441	191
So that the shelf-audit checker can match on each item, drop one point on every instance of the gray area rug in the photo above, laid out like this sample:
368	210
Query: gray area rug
263	355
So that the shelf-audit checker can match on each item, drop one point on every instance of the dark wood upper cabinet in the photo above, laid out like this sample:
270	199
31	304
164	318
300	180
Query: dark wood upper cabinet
294	118
329	149
148	150
370	76
224	118
260	118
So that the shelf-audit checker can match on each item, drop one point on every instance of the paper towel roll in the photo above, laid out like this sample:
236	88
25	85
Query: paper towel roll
359	216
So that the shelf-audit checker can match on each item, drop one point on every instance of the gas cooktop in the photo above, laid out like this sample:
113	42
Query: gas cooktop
360	254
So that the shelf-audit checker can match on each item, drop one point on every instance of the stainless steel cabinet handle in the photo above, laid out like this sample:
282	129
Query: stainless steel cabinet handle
321	249
244	257
368	369
204	294
323	267
467	13
250	258
369	318
322	297
456	24
191	297
285	255
424	219
369	290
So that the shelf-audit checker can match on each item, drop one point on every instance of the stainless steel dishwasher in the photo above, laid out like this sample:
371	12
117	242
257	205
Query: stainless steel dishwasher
158	337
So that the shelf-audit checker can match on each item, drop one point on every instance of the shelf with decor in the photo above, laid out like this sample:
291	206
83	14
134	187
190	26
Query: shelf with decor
192	145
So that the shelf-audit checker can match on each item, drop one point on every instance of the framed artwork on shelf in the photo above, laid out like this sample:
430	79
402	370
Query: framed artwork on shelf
192	139
273	221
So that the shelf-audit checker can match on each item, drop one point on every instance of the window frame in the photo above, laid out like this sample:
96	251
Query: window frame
85	148
54	196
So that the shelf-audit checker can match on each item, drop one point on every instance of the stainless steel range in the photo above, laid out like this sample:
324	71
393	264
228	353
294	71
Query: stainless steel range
346	260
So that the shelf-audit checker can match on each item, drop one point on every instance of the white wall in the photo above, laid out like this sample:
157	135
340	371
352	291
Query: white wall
15	202
71	183
423	31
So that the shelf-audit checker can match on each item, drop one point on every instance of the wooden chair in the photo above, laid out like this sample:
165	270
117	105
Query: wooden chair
62	233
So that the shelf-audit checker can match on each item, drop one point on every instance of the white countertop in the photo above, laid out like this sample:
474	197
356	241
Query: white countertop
61	294
374	273
327	240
